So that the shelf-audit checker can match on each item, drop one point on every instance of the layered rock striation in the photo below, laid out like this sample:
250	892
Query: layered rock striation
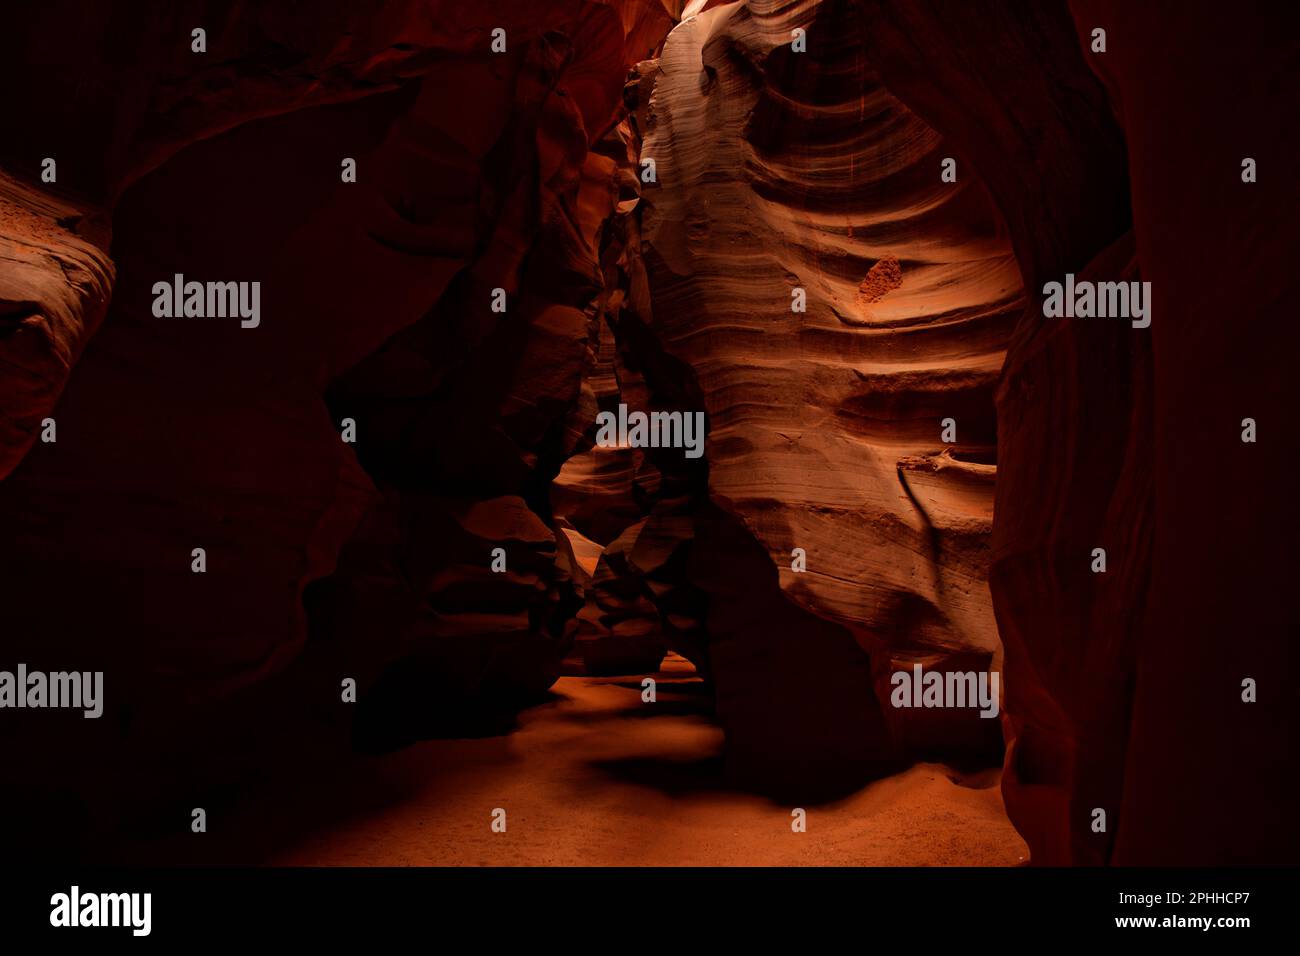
823	225
834	302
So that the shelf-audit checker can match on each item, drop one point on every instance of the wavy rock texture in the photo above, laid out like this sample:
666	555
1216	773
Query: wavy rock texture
54	290
1122	691
1072	433
779	171
776	172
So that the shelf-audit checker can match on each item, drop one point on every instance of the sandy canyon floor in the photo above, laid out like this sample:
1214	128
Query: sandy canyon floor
597	777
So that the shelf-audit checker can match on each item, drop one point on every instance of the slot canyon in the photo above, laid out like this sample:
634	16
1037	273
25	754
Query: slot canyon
362	573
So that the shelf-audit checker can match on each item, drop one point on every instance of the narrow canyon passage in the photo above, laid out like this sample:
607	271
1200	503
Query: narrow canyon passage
359	558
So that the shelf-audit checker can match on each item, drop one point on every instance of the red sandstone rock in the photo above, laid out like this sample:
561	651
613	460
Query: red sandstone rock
774	171
324	559
1071	431
814	417
54	289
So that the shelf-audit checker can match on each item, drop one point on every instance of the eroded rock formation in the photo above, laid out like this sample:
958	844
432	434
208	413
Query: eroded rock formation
54	291
905	463
1124	689
324	560
786	181
1072	432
